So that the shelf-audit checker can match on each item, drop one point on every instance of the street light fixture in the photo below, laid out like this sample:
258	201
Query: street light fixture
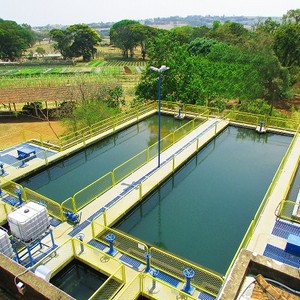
159	71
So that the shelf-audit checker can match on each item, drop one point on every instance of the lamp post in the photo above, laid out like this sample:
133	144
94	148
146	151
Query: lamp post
159	71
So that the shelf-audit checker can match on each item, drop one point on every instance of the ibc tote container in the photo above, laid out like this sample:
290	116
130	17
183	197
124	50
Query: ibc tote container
29	222
5	244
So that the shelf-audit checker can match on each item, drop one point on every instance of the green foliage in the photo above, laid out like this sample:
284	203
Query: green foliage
183	34
127	35
199	78
229	32
291	16
32	108
41	51
257	106
14	40
76	41
201	46
89	113
287	44
115	97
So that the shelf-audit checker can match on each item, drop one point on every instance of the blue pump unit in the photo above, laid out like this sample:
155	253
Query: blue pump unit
73	218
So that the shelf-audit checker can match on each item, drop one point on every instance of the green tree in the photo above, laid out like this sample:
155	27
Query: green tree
287	44
183	34
14	40
201	46
75	41
84	40
268	26
229	32
291	16
63	42
128	34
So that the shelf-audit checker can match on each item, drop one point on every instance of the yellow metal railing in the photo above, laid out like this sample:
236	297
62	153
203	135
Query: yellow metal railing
132	290
92	191
204	280
53	207
141	285
289	210
123	242
105	126
269	122
82	135
106	263
75	249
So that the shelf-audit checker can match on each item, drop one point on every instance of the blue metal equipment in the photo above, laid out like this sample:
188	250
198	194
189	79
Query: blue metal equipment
73	218
189	273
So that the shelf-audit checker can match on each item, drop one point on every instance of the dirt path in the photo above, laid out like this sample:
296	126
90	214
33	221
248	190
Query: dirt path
12	131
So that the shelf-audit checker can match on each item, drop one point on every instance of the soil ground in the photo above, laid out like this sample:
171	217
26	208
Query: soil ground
12	129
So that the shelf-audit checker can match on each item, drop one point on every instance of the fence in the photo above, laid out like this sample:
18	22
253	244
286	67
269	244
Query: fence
76	249
142	284
204	280
123	242
269	122
289	210
106	126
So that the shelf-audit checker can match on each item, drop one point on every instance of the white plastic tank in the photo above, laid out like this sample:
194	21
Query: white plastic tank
5	244
29	222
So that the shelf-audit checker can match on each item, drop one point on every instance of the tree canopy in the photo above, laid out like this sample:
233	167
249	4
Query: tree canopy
226	62
14	40
75	41
128	34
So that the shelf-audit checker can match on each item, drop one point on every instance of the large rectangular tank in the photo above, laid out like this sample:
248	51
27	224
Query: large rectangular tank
29	222
5	244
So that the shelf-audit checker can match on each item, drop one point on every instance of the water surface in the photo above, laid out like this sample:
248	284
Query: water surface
203	211
62	180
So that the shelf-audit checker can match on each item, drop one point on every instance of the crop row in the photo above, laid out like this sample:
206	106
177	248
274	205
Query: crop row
122	63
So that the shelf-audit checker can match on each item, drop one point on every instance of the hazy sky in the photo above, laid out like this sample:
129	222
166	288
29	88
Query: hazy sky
67	12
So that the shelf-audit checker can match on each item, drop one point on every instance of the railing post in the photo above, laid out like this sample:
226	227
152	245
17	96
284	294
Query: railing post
173	164
113	178
104	217
140	192
46	158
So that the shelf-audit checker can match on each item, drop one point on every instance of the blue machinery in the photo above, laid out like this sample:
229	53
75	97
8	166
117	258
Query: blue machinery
110	237
2	171
26	256
73	218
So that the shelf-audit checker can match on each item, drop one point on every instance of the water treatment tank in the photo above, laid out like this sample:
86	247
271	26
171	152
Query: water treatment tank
29	221
5	244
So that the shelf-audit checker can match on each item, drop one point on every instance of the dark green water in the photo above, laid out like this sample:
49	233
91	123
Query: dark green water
203	211
294	190
78	280
64	179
